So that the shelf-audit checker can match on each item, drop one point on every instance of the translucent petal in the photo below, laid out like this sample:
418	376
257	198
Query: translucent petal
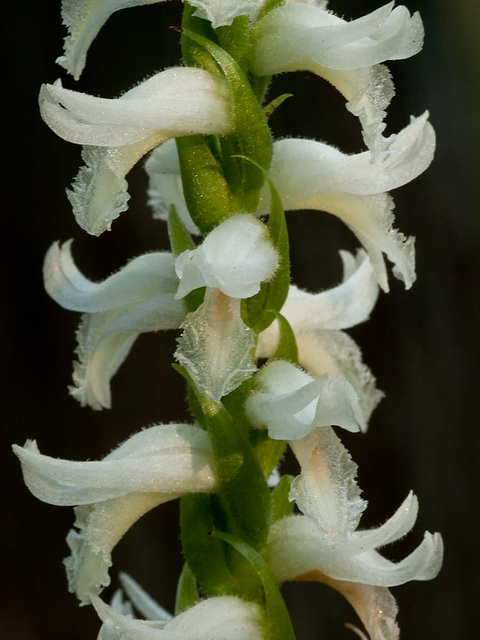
326	490
216	346
236	257
84	19
290	403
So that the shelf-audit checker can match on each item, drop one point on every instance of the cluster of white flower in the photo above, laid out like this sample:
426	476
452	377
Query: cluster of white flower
245	311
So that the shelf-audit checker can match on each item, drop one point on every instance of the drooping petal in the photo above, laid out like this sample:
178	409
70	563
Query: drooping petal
236	257
290	403
303	37
216	346
165	185
141	278
219	618
223	12
162	459
118	132
84	19
326	490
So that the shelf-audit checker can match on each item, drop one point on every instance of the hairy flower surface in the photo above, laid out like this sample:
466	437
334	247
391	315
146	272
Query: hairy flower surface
151	467
138	298
117	132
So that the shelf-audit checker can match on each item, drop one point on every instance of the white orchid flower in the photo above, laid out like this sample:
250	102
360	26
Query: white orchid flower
304	37
235	257
151	467
317	320
325	544
217	618
85	18
118	132
313	175
138	298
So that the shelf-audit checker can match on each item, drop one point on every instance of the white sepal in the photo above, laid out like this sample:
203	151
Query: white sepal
222	12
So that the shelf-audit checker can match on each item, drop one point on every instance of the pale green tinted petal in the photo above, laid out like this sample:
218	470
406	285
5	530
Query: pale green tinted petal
216	346
175	102
165	185
326	490
236	257
290	403
223	12
163	459
220	618
148	275
84	19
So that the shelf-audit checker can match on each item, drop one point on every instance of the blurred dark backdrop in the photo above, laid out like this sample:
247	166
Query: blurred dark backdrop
421	344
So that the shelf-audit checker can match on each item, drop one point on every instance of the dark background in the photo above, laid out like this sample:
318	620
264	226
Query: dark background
422	344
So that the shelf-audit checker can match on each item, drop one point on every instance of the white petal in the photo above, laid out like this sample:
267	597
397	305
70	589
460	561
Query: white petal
174	458
291	36
165	186
370	217
290	403
151	274
220	618
216	346
223	12
175	102
236	257
326	490
302	37
84	19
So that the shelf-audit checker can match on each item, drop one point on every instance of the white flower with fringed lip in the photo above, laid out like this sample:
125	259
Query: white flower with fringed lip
154	466
342	390
118	132
325	543
303	37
